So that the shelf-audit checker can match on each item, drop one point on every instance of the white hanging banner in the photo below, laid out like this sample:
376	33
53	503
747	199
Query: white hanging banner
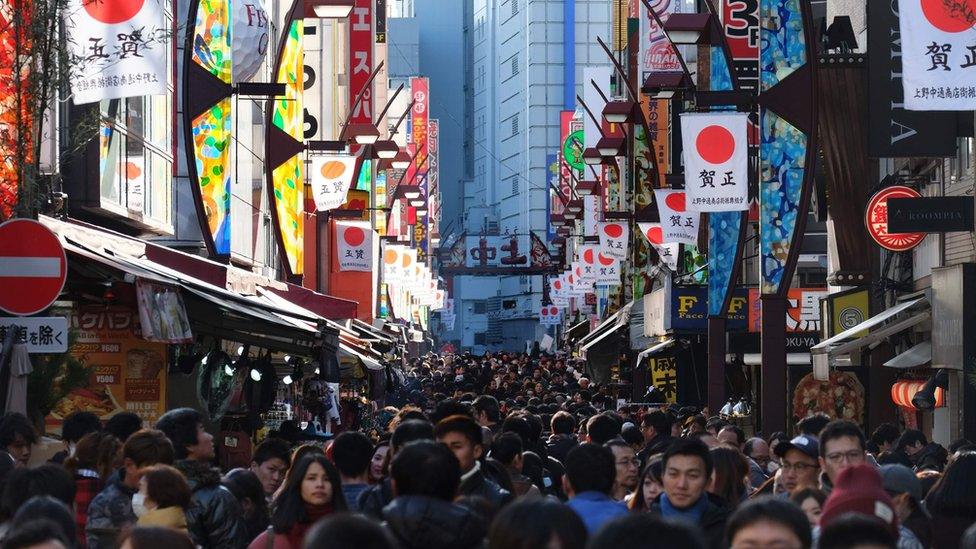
331	178
677	223
117	49
668	252
354	242
550	315
613	238
715	151
608	271
938	55
591	214
587	261
391	263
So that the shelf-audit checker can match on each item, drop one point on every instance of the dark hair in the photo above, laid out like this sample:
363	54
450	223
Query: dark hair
148	447
289	508
96	451
886	433
837	429
123	425
812	425
731	469
853	530
953	494
652	469
533	469
49	508
489	405
601	428
348	531
409	431
590	467
181	427
352	451
631	434
773	510
244	484
271	448
450	407
34	532
79	424
910	438
740	435
465	425
528	524
305	450
166	486
157	537
506	447
46	480
426	468
519	424
562	423
13	424
661	422
644	531
715	423
689	447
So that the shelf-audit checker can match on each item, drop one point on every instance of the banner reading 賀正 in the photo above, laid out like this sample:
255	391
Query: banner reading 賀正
715	150
938	55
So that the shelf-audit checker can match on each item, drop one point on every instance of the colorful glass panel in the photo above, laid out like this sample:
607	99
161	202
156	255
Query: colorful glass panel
211	38
288	179
211	147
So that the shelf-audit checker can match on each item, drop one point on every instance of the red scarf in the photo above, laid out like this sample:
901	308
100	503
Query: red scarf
298	530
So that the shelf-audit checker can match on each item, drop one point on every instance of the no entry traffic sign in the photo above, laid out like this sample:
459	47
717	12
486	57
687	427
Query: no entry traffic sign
33	267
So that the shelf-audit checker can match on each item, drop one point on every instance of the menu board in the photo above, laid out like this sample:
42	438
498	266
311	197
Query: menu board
128	373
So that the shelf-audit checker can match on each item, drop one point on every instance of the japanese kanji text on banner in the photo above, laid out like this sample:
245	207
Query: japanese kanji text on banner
716	161
330	178
117	49
354	244
938	44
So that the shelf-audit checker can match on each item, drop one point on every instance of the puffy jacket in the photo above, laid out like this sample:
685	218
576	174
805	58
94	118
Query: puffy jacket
109	513
422	522
214	518
477	484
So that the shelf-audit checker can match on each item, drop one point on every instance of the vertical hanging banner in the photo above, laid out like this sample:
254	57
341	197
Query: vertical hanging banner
433	178
715	150
656	52
119	49
591	215
391	263
330	177
381	21
677	223
667	252
354	246
607	270
419	119
587	260
938	41
740	20
360	62
614	236
601	75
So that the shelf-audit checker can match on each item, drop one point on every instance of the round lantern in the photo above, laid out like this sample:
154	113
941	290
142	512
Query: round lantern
249	38
902	393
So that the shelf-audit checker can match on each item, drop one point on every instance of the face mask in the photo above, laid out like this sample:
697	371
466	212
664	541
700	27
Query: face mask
139	504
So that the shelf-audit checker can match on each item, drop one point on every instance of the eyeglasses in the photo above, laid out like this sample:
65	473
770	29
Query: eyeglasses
625	462
854	456
798	467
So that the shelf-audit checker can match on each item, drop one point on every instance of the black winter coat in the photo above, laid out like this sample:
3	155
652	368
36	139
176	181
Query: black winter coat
480	485
422	522
712	523
214	518
375	498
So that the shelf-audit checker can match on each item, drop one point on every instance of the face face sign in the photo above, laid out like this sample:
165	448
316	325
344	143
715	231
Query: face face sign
684	480
765	533
316	486
839	454
465	452
271	473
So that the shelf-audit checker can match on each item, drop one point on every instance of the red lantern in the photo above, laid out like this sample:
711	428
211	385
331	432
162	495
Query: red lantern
902	393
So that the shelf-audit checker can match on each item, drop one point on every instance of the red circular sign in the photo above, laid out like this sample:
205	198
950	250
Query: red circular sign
111	12
715	144
947	18
33	267
676	201
613	230
354	236
876	220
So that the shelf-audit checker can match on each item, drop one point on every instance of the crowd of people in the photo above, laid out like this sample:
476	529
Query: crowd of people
499	451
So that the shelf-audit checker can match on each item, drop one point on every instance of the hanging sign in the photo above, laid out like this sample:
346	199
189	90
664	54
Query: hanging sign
607	270
587	261
613	239
117	49
938	55
41	334
931	214
715	149
550	315
678	225
667	252
331	177
876	220
354	243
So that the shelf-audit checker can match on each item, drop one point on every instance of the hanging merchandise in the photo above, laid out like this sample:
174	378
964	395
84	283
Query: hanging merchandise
678	225
218	381
613	239
715	151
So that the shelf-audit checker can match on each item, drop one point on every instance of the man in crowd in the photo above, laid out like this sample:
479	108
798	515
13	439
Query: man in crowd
376	497
352	451
17	435
270	464
842	445
76	425
507	449
757	450
627	468
656	428
462	435
590	473
798	463
487	412
562	439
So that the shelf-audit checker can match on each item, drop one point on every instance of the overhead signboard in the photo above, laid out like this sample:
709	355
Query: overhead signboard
491	255
802	309
40	334
876	220
930	214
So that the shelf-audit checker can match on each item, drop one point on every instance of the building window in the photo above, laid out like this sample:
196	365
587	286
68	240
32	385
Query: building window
514	8
480	307
515	185
514	65
515	128
479	339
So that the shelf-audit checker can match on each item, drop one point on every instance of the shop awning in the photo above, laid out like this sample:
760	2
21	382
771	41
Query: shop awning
611	324
919	355
361	354
654	349
368	331
792	359
577	331
896	319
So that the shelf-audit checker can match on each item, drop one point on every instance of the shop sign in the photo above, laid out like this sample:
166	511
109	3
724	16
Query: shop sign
930	214
40	334
876	220
128	373
664	376
689	309
802	309
847	310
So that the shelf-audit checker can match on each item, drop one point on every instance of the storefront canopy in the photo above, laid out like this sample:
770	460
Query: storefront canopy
654	349
901	317
917	356
610	325
577	331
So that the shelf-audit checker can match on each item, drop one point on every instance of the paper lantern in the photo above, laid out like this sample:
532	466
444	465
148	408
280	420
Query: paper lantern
902	393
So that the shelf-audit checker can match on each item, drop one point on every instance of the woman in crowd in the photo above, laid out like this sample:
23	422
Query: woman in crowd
96	456
378	465
162	498
811	502
730	475
952	502
649	487
246	487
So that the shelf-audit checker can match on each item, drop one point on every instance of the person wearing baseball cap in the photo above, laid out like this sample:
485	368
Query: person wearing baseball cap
858	489
798	462
905	490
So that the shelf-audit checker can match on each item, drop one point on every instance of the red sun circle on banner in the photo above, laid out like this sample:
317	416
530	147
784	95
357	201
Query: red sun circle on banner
354	236
112	12
579	272
655	235
588	255
715	144
552	311
606	261
390	257
570	279
557	285
613	230
675	201
948	19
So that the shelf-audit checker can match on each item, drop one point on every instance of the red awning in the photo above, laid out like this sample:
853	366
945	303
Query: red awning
326	306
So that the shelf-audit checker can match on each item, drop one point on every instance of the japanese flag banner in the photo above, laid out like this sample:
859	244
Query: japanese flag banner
557	287
608	271
391	263
668	252
613	238
331	177
716	161
587	261
354	244
549	315
117	49
938	54
677	223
